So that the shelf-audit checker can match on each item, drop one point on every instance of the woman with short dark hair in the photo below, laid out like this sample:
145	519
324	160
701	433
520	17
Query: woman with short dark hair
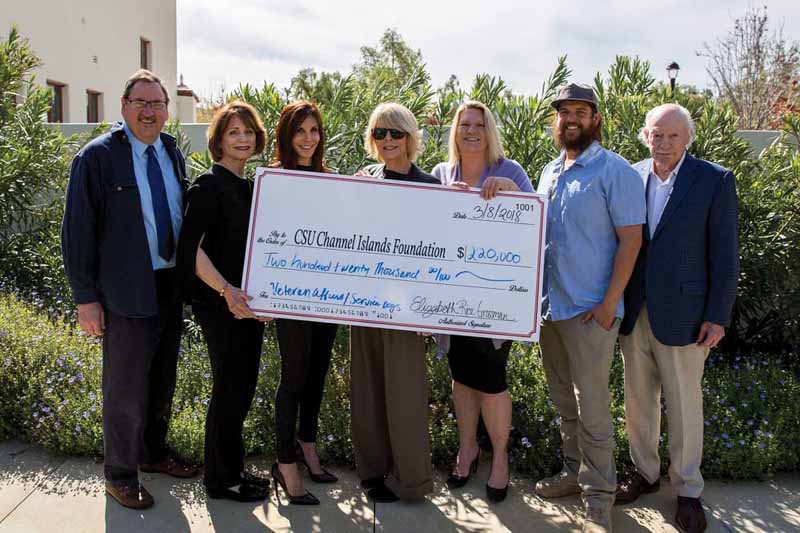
211	255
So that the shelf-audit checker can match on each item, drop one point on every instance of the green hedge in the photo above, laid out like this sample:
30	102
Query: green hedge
50	395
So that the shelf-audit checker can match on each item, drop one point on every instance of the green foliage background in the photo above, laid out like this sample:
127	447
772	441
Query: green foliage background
50	373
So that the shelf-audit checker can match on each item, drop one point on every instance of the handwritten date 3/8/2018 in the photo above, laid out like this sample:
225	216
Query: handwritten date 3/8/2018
499	212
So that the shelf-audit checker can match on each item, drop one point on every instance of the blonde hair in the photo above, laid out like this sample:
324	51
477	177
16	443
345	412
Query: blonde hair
395	116
494	148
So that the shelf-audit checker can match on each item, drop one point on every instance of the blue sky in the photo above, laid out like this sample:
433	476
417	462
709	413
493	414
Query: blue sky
222	44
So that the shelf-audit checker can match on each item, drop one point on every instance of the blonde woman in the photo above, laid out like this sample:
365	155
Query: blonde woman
478	365
388	377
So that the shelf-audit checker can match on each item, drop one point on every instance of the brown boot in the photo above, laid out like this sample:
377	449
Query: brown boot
131	495
631	488
690	516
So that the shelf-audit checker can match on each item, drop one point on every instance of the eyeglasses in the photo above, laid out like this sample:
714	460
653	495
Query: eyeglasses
380	133
155	105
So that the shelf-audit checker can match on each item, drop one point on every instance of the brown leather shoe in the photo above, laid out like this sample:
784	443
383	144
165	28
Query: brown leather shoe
172	466
558	486
133	496
690	516
631	488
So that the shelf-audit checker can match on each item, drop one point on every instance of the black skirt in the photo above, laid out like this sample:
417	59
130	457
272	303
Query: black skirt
475	363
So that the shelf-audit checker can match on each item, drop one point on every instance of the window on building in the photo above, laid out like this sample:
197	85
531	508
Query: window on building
93	106
144	53
56	113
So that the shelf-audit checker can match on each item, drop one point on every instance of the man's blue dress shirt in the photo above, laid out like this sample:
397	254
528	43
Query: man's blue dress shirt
174	195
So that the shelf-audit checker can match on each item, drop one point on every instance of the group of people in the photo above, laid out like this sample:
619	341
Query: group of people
646	254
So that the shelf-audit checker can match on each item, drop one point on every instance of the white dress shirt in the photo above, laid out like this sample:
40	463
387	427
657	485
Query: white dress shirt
658	193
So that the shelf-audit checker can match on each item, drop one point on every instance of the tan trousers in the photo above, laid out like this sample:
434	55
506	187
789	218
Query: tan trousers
389	409
577	362
649	367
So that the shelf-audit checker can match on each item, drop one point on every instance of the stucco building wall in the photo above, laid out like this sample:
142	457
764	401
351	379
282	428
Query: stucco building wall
94	45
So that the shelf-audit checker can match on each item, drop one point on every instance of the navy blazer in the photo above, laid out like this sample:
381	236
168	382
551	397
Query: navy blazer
103	240
688	271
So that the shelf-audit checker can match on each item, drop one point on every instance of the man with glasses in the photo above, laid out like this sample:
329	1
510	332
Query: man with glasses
594	232
121	223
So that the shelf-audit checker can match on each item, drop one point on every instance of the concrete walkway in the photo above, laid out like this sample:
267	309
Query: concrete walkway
40	492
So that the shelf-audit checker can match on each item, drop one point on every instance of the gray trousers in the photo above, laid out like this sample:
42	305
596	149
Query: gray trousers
389	409
650	367
577	361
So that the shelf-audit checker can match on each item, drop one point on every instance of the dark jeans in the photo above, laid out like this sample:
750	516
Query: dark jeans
234	347
305	356
140	358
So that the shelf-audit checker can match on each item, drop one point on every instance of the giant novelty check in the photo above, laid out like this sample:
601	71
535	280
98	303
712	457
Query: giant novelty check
383	253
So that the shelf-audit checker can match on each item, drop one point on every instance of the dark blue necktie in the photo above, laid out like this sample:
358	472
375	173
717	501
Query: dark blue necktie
158	193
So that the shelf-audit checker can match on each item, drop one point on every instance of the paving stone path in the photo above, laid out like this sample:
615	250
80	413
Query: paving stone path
40	492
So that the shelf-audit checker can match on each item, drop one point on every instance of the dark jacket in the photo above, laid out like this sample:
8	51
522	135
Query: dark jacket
687	273
103	240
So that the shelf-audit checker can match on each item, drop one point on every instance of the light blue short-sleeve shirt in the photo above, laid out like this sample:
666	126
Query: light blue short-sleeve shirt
588	201
174	194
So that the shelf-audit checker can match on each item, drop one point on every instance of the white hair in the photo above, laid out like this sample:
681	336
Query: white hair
663	109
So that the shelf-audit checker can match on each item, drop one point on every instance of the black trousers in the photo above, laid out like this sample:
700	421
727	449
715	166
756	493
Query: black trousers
140	358
234	347
305	357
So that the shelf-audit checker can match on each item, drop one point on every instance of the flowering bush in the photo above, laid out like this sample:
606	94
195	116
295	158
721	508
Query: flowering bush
50	394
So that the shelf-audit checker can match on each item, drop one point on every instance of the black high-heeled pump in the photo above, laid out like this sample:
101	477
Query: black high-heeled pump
305	499
455	481
324	477
497	495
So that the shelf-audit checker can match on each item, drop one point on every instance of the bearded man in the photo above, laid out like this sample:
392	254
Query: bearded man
594	231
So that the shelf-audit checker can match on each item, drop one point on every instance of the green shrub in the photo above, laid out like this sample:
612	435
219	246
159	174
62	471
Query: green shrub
50	394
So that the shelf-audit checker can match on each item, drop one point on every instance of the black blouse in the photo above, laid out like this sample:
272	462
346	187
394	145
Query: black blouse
414	174
217	206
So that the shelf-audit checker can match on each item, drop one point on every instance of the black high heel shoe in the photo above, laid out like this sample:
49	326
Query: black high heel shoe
305	499
324	477
454	481
497	495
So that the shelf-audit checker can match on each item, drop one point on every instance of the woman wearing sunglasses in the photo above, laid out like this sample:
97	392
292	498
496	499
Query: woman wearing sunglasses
305	347
388	376
478	365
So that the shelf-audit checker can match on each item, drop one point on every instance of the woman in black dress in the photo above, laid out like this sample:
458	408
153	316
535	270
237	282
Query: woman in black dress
305	346
211	257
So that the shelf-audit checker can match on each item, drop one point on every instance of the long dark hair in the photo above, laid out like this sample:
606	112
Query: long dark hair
292	116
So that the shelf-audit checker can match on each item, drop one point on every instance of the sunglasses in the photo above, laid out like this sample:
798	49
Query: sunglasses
380	133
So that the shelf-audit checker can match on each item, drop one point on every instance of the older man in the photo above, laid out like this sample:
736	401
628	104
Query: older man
677	304
594	231
123	214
